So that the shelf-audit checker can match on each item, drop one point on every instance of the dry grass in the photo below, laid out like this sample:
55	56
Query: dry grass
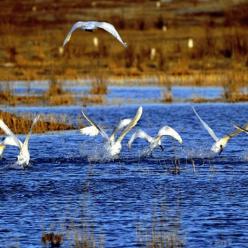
233	87
22	125
87	241
159	237
160	240
52	239
31	41
93	99
31	45
99	87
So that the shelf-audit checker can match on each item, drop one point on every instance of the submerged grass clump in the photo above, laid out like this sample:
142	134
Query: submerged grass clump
159	238
52	239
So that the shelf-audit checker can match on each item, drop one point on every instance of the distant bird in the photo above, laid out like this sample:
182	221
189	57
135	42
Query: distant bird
221	143
11	140
157	140
112	144
190	43
92	25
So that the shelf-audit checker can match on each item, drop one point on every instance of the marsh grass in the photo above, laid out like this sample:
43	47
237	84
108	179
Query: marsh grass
46	123
93	99
87	239
55	95
233	87
163	232
52	239
162	240
28	51
99	87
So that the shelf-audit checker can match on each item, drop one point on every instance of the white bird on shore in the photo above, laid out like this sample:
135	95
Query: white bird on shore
92	25
11	140
112	144
221	143
157	140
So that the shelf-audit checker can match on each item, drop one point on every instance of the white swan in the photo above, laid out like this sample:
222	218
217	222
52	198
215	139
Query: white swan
11	140
156	141
221	143
92	25
112	144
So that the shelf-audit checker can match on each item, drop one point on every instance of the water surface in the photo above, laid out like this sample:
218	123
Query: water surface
62	191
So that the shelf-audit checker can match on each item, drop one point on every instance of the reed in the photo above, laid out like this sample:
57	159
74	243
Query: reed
52	239
55	95
160	235
233	87
22	125
219	45
161	240
87	241
93	99
99	87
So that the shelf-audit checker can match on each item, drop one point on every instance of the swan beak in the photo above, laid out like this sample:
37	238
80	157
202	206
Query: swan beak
221	150
161	147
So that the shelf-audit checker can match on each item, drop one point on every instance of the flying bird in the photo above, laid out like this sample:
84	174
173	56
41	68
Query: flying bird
11	140
157	140
92	25
112	144
220	143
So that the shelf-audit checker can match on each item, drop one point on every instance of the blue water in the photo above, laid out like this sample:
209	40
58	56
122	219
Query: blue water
64	190
123	94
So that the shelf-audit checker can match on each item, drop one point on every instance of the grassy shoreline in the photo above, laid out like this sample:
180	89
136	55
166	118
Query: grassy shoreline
158	39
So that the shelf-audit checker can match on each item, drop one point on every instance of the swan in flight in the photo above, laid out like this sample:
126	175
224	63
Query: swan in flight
112	144
221	143
157	140
92	25
11	140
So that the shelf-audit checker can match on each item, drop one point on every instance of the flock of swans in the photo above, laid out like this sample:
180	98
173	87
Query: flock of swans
112	143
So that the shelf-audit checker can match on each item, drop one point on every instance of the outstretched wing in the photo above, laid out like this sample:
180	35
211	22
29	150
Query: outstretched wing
166	130
90	131
91	25
139	134
8	132
92	123
205	125
122	124
30	131
111	29
240	129
10	141
74	27
131	124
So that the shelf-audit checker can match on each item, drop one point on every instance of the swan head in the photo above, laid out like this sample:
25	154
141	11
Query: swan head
219	145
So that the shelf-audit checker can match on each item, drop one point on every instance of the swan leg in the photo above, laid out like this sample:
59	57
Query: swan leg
161	147
221	149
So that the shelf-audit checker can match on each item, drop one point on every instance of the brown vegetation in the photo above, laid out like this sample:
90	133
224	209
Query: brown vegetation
22	125
219	38
52	239
31	43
